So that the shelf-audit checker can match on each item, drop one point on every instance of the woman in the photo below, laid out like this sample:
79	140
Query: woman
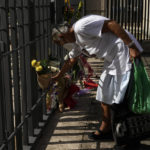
98	36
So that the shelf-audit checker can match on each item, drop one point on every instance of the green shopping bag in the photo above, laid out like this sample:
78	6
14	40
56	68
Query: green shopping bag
139	97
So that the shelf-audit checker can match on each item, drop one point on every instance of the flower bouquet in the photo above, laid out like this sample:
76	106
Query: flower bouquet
60	91
44	72
71	13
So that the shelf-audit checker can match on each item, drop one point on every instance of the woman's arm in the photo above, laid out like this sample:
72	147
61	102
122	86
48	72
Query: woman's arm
114	27
66	67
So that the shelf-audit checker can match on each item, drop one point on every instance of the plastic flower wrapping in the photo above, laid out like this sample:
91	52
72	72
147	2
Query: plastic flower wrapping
45	69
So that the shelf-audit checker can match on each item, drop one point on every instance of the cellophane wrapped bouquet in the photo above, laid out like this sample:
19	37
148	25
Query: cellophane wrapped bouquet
45	69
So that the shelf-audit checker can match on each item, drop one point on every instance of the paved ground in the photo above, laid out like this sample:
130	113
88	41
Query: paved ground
69	130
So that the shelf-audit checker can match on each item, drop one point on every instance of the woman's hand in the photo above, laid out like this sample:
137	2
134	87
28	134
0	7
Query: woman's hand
55	78
66	67
133	53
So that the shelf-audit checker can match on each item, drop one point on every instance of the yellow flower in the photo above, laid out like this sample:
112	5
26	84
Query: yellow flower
39	68
33	63
37	64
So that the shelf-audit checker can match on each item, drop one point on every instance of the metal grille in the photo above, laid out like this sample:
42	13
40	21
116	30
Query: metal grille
133	15
25	29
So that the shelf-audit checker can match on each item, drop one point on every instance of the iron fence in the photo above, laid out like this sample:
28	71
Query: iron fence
25	33
133	15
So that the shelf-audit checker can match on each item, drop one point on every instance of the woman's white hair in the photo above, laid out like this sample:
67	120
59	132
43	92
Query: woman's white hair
57	30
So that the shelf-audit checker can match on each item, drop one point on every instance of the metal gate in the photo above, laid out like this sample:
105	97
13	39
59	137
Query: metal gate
25	33
25	29
133	15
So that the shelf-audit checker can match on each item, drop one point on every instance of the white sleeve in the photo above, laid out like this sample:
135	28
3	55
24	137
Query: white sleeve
91	26
76	51
135	41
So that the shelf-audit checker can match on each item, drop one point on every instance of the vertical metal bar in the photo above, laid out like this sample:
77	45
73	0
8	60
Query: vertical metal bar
54	52
115	10
52	11
45	44
2	100
107	9
49	24
126	12
41	28
27	62
20	19
38	44
59	14
122	12
135	23
111	9
37	27
57	7
15	64
32	53
6	74
132	17
138	21
41	4
118	11
129	14
148	5
84	7
45	28
145	18
38	49
141	18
